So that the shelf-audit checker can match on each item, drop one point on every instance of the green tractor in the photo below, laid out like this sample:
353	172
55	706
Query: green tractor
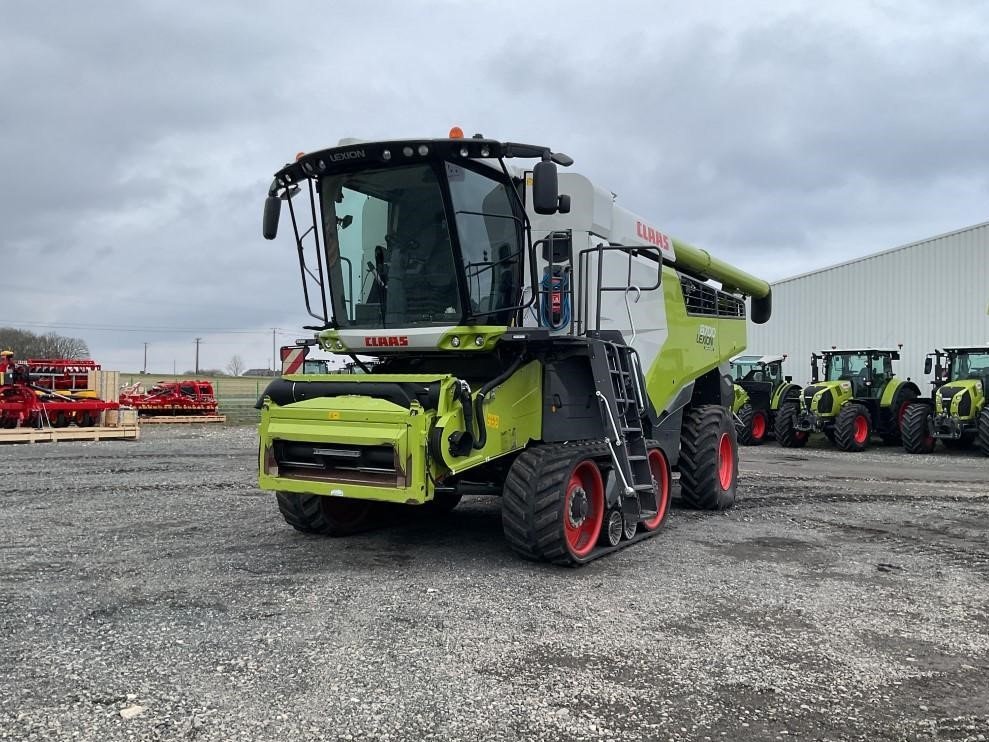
859	396
760	390
533	339
957	412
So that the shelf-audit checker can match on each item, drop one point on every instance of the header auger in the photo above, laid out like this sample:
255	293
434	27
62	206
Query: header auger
532	339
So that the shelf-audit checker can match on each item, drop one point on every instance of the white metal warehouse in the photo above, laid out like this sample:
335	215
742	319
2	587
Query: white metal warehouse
925	295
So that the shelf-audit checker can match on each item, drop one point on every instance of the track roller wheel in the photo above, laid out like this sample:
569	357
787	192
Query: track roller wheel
785	426
852	428
916	431
708	459
327	516
553	504
662	480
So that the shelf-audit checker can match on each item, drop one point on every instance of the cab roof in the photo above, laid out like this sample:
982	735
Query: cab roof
757	359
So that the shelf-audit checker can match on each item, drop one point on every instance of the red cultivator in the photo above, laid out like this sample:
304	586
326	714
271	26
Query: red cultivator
171	398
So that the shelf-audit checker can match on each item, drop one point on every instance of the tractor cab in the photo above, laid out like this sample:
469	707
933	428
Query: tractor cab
858	396
867	371
761	389
961	377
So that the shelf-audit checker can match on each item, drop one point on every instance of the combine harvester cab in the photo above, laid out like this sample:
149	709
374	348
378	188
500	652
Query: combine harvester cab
761	390
956	413
858	397
532	340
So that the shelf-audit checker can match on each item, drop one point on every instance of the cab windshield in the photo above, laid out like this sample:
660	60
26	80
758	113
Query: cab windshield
970	366
866	371
391	250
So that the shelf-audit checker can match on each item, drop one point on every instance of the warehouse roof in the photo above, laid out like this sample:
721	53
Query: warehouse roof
881	253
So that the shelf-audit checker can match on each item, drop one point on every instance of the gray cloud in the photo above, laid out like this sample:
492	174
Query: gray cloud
138	139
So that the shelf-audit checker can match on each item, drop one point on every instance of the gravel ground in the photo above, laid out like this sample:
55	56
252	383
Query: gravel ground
149	590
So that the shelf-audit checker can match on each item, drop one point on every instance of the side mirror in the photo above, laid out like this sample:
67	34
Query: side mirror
788	379
272	210
928	364
545	188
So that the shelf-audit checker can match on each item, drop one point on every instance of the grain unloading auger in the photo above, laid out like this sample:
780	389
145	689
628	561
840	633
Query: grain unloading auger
556	350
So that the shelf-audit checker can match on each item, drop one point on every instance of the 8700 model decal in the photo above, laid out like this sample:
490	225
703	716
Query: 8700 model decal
705	336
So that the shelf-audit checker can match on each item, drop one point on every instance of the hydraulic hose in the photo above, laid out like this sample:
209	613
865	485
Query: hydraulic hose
482	431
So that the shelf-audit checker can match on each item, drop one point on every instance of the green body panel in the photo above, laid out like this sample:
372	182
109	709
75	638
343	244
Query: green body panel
973	387
779	394
476	338
740	399
842	391
889	391
695	345
513	418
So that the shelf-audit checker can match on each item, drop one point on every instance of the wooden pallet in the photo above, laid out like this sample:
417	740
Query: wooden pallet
56	435
180	419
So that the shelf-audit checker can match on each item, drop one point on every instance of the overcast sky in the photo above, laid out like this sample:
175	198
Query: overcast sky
139	138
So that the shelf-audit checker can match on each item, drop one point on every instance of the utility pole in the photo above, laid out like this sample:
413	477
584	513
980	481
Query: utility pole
145	358
273	348
198	341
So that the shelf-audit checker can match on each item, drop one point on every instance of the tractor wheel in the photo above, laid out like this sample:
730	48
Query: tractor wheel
915	429
553	504
327	516
60	420
852	428
902	400
983	426
750	425
708	459
662	480
785	427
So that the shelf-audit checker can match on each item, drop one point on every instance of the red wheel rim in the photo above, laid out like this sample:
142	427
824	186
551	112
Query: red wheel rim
861	429
759	426
583	508
661	475
726	462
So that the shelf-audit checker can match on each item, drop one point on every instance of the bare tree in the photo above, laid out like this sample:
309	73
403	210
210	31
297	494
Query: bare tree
236	366
28	345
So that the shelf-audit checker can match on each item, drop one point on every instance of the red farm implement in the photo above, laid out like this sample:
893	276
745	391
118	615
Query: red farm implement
184	397
60	373
29	405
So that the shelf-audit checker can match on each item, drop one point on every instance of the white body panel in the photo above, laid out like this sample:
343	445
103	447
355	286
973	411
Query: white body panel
595	219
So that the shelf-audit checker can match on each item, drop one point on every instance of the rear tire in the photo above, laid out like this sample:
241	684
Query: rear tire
751	425
785	427
327	516
553	503
708	459
915	432
902	401
983	427
852	428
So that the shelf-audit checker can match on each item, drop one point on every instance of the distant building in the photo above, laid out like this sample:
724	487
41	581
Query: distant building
259	372
925	295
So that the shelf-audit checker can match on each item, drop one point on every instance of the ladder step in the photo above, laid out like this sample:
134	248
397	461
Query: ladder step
637	457
643	488
631	430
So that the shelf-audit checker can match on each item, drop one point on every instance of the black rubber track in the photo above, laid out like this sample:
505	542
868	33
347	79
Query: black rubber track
743	425
844	428
700	485
784	427
984	431
315	514
915	434
533	497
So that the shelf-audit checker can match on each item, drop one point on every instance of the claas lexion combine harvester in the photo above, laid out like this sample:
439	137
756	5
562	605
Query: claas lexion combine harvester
533	340
49	393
